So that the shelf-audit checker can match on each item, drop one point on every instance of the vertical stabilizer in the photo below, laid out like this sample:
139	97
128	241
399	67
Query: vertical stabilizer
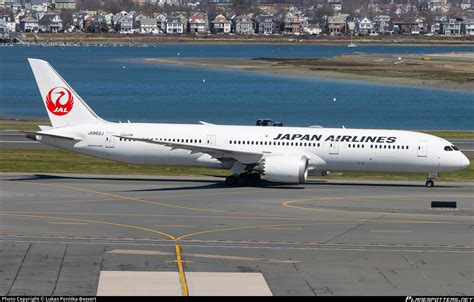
63	105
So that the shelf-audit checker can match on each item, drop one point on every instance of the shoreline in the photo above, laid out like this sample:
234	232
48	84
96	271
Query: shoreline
451	71
137	39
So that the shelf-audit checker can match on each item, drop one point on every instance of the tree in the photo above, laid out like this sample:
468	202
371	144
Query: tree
321	14
240	6
66	16
350	7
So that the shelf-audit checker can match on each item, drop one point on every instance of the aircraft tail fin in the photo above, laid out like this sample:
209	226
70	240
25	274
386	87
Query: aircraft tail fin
63	105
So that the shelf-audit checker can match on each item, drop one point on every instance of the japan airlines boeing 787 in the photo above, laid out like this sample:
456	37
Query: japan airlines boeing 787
279	154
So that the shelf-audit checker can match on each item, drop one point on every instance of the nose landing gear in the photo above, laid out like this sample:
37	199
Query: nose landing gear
430	183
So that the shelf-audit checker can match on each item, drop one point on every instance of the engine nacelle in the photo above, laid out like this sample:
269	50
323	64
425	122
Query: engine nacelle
285	168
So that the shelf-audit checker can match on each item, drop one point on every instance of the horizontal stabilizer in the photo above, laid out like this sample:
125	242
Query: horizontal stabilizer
33	135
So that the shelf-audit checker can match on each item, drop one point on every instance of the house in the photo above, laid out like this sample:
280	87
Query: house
266	25
438	6
148	26
452	26
365	26
405	26
64	4
8	23
421	24
109	19
469	27
335	4
50	22
128	24
4	32
79	19
466	4
220	24
28	24
99	24
435	28
117	18
161	21
312	29
293	23
175	25
198	23
382	24
336	25
243	25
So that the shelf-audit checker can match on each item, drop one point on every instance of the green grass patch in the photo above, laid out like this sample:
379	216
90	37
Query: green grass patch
7	124
466	175
59	161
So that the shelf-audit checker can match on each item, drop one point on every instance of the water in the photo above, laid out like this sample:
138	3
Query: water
148	92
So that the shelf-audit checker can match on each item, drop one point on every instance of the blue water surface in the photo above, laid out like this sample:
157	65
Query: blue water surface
150	92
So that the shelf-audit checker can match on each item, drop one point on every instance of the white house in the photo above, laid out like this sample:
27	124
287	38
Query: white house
174	25
469	27
127	23
148	26
220	24
365	26
161	21
312	29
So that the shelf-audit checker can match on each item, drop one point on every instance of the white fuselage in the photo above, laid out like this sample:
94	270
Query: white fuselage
328	149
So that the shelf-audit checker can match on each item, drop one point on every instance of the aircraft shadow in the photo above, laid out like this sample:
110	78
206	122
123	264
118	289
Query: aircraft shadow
207	183
220	184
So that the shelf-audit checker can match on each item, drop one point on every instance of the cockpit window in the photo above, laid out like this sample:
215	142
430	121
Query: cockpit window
455	148
448	148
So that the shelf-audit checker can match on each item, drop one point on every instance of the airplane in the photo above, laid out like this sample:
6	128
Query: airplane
276	154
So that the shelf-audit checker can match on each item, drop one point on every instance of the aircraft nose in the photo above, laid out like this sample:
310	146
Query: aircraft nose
464	162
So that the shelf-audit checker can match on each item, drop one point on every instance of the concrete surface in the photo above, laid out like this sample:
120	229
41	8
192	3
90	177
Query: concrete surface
59	232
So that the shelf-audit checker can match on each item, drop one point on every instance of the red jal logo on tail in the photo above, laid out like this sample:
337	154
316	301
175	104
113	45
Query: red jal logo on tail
59	101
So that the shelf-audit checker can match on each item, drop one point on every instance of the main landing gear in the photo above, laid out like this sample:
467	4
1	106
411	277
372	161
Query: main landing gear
243	179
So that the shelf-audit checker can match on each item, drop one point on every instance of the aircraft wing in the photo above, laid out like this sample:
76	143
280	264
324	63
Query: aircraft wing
245	157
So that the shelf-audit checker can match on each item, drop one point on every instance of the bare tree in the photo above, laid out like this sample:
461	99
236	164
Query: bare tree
321	14
240	6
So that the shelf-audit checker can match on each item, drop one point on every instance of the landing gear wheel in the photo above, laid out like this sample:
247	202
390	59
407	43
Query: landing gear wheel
254	178
243	179
429	183
231	180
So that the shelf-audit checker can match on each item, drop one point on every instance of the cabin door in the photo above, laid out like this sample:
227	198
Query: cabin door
211	140
333	148
109	140
422	149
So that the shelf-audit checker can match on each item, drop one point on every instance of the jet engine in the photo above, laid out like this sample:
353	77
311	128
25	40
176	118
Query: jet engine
284	168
